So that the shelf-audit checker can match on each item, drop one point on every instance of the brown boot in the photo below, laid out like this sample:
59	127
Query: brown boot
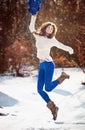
63	77
54	109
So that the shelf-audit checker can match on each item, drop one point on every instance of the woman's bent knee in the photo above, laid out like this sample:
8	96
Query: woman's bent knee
47	88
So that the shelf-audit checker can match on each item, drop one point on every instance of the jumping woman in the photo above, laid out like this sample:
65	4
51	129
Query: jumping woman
45	39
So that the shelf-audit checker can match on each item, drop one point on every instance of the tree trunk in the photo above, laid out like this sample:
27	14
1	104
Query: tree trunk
16	41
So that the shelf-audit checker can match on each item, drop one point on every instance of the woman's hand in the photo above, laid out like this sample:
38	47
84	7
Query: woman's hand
71	51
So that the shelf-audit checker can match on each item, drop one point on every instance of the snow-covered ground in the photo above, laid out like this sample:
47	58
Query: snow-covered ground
28	111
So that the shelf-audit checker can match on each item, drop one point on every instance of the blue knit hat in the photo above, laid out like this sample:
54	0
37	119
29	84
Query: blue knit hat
34	6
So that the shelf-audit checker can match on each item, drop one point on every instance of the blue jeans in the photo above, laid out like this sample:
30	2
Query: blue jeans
45	75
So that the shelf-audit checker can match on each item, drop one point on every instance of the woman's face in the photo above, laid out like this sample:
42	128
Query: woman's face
49	29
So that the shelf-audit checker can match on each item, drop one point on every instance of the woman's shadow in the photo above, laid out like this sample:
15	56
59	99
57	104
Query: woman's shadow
62	92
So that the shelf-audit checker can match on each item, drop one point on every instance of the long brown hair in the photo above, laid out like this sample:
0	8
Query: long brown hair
42	30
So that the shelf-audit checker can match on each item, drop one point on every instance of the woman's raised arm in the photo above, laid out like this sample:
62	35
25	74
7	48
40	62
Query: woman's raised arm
32	23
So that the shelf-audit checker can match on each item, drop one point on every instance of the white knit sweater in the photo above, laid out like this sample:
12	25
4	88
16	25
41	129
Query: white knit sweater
44	44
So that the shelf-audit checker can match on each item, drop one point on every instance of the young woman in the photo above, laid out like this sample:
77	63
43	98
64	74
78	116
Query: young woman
45	39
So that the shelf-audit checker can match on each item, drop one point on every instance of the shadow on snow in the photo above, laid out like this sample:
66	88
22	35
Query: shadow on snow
6	100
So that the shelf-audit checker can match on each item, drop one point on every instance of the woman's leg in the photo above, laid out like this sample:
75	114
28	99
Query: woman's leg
41	81
49	70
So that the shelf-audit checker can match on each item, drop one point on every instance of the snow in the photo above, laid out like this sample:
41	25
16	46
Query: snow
28	111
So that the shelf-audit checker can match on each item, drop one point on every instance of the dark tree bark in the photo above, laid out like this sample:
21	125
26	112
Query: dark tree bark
16	41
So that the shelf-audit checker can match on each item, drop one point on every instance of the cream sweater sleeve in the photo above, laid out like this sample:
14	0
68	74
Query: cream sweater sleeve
32	23
62	46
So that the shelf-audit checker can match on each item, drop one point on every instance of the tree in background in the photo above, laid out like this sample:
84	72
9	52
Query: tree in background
16	42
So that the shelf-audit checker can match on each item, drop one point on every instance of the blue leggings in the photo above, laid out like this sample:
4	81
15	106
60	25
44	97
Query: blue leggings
45	75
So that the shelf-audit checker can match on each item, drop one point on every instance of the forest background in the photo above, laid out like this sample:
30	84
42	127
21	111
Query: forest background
17	44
